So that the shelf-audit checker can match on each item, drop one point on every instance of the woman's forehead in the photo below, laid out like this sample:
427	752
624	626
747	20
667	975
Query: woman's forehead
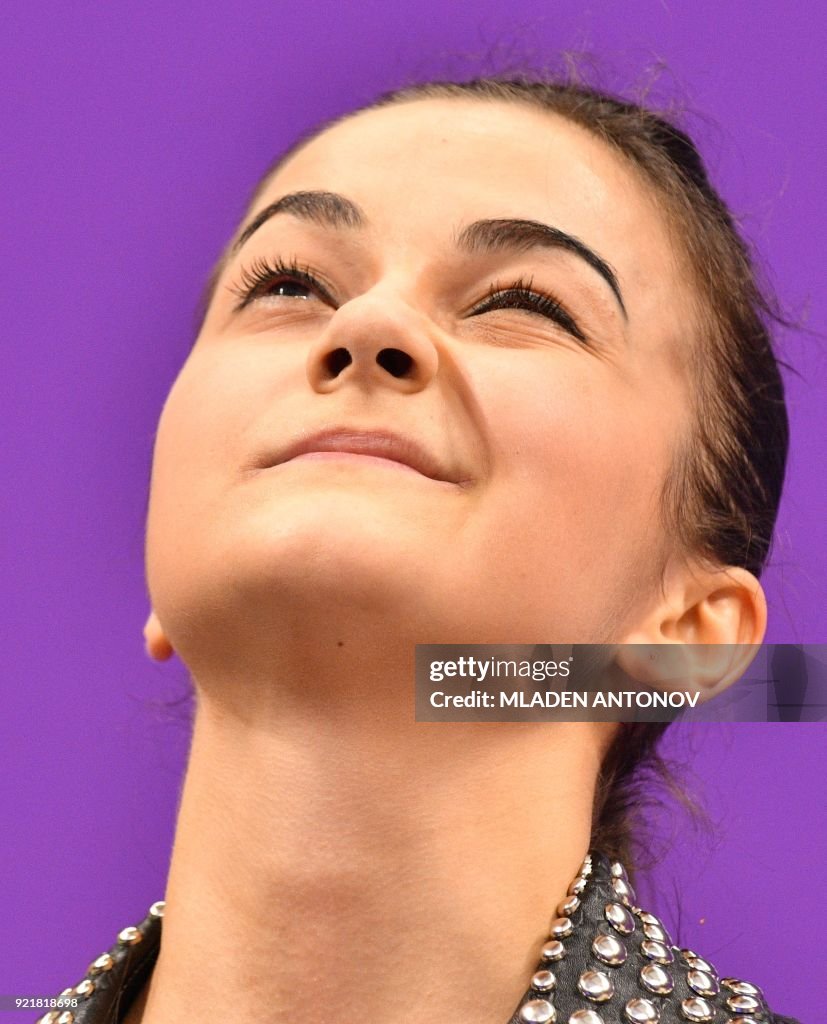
427	166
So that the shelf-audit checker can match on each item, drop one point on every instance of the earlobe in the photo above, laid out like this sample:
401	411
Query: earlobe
703	633
157	645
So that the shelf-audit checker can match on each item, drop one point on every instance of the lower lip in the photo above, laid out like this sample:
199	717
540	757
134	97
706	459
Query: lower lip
353	457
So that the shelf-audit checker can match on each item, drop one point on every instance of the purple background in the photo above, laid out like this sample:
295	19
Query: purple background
131	135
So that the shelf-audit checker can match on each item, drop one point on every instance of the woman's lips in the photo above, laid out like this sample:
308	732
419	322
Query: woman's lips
358	457
376	446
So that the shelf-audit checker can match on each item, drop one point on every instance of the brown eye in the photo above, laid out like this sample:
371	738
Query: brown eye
289	289
279	280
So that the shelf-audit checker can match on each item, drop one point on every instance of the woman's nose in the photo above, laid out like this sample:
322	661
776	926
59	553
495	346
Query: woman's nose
374	341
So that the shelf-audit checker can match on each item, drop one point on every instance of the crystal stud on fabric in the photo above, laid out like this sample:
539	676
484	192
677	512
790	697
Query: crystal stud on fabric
538	1011
568	906
596	985
585	1017
641	1011
561	927
702	983
697	1009
619	918
657	979
544	980
577	886
103	963
656	932
610	950
742	988
657	951
623	891
699	964
743	1004
553	950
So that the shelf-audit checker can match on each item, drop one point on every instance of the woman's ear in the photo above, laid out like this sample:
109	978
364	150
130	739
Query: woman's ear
156	643
707	624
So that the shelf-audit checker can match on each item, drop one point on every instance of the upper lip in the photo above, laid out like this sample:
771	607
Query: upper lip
381	443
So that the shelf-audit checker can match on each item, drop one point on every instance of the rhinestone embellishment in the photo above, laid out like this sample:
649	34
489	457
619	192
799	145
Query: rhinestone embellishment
596	985
617	870
538	1011
585	1017
544	980
623	891
657	979
577	886
567	907
656	932
657	951
697	1009
702	983
697	964
103	963
609	950
741	988
641	1011
619	918
553	950
743	1004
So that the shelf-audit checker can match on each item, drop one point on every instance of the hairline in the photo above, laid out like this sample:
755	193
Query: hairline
667	209
675	218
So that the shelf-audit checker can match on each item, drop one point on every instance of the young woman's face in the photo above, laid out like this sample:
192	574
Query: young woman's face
495	291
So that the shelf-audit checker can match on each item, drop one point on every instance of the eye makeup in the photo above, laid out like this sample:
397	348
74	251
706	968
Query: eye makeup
520	294
288	279
263	276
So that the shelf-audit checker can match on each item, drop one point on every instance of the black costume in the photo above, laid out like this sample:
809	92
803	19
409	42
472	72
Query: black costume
605	961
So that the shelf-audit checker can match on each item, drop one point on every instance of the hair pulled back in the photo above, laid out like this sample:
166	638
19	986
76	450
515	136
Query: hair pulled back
720	498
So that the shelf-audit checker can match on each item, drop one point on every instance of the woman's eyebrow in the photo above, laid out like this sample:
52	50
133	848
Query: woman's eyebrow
331	209
326	208
521	235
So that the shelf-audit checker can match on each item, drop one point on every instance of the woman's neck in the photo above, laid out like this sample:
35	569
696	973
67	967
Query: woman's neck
335	858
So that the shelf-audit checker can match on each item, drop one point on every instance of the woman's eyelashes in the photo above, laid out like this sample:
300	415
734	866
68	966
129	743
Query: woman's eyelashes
277	279
290	280
520	295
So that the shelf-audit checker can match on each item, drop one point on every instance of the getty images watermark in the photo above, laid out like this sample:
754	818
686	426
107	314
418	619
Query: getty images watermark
629	682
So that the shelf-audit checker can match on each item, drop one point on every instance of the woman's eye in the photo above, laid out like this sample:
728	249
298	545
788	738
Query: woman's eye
266	280
289	289
520	296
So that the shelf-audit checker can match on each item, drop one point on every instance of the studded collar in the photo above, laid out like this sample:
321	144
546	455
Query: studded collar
605	961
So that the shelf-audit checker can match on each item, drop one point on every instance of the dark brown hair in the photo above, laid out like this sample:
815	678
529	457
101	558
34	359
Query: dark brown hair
721	496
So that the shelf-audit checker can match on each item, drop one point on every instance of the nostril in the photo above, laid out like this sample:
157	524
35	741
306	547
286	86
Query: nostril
395	361
337	360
